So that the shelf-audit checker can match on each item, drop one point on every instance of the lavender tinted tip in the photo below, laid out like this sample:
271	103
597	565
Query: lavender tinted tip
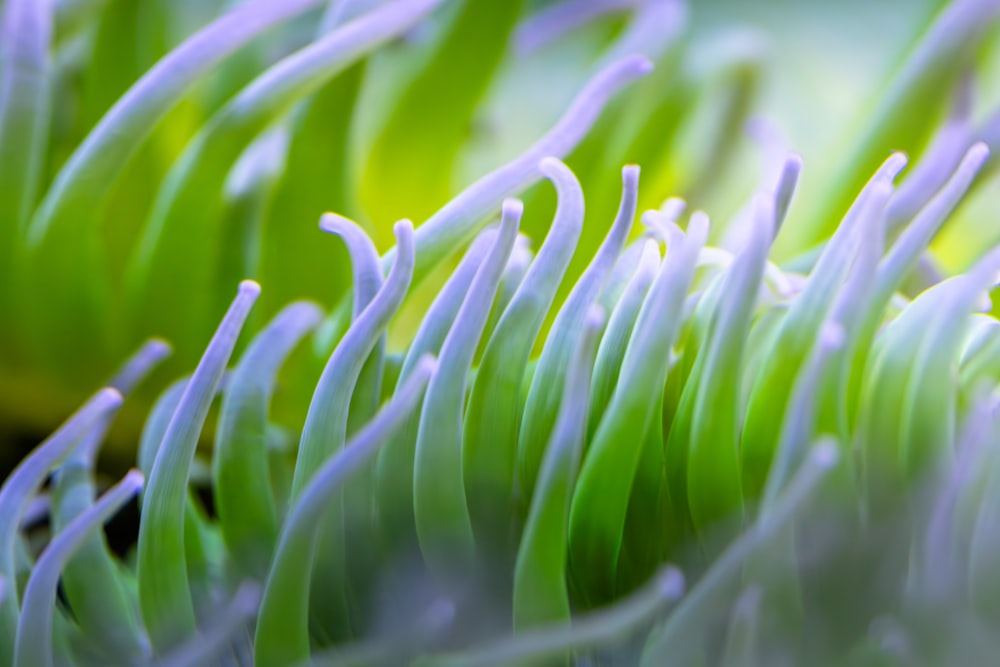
630	176
249	288
978	154
826	454
671	583
893	165
403	226
832	335
157	349
595	317
662	227
643	65
673	208
247	598
549	166
699	225
332	223
513	208
110	398
134	480
427	365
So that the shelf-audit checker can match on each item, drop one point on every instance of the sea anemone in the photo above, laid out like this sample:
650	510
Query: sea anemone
673	442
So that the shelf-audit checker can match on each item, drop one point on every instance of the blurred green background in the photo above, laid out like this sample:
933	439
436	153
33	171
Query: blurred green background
399	133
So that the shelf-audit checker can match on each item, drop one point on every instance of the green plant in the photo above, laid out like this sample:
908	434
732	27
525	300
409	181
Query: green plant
522	475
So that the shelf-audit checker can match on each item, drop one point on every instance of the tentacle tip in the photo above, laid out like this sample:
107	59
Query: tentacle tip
650	256
512	208
670	584
309	313
110	397
441	613
673	208
897	162
134	480
640	64
158	348
661	227
984	304
247	597
330	222
699	224
403	227
427	365
249	288
980	148
826	454
832	335
595	317
630	175
550	165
